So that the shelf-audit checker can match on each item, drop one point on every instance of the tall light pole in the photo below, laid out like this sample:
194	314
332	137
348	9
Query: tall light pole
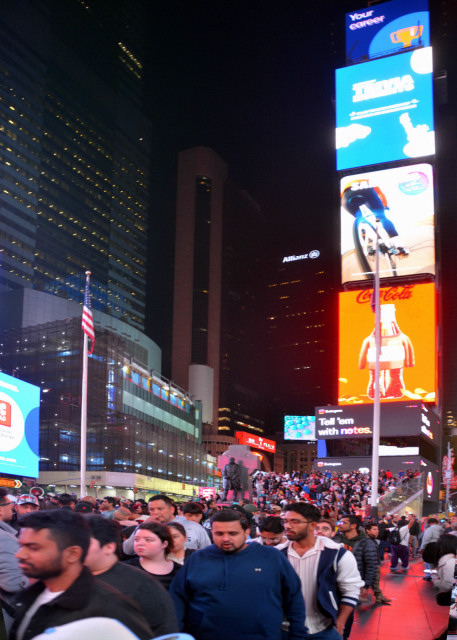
377	403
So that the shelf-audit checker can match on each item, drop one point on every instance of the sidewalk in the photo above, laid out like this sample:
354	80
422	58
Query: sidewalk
413	613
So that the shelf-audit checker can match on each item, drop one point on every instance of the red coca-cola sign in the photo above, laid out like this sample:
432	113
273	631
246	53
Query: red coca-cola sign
389	294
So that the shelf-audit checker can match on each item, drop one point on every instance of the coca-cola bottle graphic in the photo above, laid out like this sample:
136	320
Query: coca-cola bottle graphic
396	353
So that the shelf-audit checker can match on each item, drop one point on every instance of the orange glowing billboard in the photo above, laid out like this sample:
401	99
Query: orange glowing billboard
408	345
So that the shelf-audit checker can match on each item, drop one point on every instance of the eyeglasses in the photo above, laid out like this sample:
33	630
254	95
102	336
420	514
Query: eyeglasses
5	504
297	522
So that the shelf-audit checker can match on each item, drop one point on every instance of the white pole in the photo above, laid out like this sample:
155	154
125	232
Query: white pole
447	476
83	453
377	404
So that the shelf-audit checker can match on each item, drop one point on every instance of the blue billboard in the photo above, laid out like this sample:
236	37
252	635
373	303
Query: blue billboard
300	428
383	29
384	110
19	427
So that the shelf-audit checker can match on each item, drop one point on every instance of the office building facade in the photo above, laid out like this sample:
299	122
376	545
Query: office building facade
76	146
216	316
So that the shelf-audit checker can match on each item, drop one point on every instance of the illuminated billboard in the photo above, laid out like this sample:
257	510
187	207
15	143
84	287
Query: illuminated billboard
384	110
383	29
255	441
411	418
19	427
402	200
408	345
300	428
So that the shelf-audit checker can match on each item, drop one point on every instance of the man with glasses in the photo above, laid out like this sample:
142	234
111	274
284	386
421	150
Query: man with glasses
329	576
11	577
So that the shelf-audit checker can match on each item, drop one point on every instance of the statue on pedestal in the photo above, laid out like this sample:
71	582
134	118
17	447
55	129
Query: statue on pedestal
231	479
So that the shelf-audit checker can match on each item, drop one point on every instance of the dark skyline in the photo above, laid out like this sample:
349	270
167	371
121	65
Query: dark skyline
255	82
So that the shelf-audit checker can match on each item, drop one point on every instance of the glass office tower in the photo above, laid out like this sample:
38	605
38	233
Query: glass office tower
76	152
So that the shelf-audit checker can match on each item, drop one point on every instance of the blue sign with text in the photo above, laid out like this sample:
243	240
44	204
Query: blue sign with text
384	110
383	29
19	427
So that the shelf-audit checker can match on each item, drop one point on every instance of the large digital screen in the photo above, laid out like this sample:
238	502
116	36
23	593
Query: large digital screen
300	428
401	199
410	418
19	427
383	29
384	110
408	345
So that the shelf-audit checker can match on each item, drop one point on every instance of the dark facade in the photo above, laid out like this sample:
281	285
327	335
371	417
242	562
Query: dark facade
75	145
301	313
217	315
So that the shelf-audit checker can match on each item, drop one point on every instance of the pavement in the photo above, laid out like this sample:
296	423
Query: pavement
413	613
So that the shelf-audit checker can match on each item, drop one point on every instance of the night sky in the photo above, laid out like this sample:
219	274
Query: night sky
254	80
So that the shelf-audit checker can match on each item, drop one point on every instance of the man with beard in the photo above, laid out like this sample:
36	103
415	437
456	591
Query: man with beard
233	589
53	546
329	576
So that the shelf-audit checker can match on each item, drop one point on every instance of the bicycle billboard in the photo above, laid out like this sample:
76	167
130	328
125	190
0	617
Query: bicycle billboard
384	110
402	200
386	28
19	426
408	345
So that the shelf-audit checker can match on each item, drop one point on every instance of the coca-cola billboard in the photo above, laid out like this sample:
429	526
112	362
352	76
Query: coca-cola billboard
408	345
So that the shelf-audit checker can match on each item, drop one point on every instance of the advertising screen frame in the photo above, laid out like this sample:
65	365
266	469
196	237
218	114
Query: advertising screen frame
399	203
387	28
384	110
300	428
410	356
258	442
19	427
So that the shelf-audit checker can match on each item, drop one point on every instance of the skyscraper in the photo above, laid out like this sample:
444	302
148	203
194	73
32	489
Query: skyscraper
75	143
75	193
216	319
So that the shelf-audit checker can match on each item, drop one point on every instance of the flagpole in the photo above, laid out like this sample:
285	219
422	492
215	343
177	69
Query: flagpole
83	453
377	403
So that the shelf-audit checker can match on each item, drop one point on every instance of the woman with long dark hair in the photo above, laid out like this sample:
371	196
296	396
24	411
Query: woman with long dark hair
152	544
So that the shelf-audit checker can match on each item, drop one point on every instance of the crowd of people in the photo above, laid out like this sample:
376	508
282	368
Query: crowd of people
293	562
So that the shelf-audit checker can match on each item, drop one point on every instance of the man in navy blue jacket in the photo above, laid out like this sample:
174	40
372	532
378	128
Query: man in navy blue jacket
237	590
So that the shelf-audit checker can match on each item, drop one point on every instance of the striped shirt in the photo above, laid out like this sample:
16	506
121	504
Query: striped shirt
306	568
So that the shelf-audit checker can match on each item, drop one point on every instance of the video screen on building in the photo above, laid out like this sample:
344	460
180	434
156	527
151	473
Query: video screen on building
410	418
257	442
301	428
384	110
19	427
408	345
383	29
401	199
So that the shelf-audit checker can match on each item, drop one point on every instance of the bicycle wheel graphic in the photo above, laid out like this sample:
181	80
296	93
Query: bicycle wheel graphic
364	236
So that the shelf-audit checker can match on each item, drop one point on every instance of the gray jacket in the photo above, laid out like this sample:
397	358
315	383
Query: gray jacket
11	577
431	534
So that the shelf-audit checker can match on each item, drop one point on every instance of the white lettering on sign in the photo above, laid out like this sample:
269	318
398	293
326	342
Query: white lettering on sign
370	89
332	430
304	256
362	20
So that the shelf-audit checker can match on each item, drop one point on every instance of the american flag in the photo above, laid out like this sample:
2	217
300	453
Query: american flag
88	320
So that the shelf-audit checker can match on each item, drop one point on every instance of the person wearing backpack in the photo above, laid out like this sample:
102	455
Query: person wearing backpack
399	543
